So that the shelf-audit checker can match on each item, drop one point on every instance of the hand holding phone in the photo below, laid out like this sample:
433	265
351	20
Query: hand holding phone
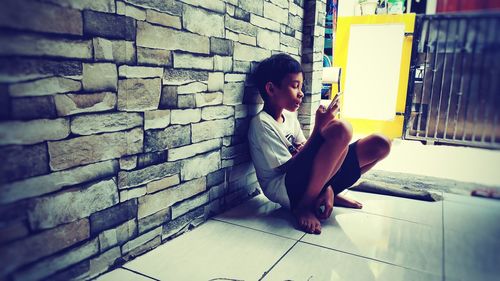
335	100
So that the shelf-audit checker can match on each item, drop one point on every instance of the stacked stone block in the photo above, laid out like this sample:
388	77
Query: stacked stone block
312	61
123	123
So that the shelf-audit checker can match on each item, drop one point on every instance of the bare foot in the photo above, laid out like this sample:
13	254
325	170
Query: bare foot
343	201
307	221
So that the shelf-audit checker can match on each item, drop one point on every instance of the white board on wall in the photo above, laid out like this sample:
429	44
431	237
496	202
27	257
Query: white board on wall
373	71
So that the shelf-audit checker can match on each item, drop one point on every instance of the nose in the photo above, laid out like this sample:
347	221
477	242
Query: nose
301	94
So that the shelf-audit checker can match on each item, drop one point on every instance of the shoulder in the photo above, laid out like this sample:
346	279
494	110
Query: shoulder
262	125
261	120
256	125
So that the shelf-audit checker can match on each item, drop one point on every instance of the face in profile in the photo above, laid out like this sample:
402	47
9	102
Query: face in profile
289	94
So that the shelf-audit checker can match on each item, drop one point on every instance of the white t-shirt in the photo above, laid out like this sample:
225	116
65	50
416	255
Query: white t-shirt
270	145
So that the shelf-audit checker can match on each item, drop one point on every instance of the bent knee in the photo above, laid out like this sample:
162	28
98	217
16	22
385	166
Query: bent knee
339	131
381	145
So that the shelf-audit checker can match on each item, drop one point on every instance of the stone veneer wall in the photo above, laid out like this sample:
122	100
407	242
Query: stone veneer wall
123	123
312	61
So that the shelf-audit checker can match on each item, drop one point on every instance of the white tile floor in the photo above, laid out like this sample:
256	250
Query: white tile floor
465	164
389	239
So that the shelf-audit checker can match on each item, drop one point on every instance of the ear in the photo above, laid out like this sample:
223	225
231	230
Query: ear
270	88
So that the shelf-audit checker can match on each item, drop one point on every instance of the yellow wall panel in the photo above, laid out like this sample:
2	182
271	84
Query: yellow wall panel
392	128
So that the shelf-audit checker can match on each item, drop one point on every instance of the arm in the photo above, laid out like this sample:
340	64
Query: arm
323	117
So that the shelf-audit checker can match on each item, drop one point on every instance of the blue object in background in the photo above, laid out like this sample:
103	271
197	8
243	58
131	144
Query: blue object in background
330	27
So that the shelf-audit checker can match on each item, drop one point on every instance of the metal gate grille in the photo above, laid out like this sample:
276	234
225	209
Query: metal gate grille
453	91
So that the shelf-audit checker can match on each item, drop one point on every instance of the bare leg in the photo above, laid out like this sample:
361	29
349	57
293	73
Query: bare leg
328	160
370	151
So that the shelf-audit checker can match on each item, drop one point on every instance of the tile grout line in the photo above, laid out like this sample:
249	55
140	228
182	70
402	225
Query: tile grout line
267	272
390	217
255	229
140	273
399	219
368	258
442	235
357	255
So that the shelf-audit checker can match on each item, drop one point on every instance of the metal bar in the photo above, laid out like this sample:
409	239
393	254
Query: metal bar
495	122
442	77
460	92
426	41
432	82
472	14
489	90
462	79
480	84
468	92
457	35
411	82
459	142
496	98
476	101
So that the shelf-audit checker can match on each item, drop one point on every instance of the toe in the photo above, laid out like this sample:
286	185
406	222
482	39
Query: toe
303	225
310	228
318	229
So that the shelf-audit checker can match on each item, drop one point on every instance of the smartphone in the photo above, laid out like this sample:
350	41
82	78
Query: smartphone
335	100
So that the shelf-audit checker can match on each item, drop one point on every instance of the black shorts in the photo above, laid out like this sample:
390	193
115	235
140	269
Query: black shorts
297	178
